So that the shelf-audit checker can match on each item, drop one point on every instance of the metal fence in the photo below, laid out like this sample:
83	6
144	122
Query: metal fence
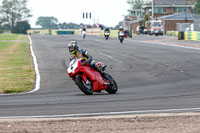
184	26
190	26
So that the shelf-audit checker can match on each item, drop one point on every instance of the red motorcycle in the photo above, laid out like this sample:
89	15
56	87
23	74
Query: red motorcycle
89	80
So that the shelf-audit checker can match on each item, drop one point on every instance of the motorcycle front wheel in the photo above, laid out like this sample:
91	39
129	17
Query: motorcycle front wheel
83	86
121	40
113	87
83	36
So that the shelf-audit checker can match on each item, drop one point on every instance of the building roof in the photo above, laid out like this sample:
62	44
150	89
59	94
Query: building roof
139	10
178	16
173	2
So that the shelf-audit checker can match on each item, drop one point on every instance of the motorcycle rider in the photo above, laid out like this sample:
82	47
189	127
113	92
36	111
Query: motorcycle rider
84	29
107	30
121	29
82	53
107	33
83	32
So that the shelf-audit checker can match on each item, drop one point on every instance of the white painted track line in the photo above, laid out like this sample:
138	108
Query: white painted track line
167	44
110	57
37	80
109	113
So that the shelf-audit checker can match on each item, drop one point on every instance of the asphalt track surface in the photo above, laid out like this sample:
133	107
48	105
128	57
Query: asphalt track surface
151	78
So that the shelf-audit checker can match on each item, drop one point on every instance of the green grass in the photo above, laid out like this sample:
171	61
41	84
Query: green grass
113	33
4	45
12	37
16	67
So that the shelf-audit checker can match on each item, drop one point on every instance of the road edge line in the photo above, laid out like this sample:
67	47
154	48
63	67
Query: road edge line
37	78
137	112
173	45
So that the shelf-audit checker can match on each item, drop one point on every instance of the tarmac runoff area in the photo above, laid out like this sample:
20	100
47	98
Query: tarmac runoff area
139	123
172	41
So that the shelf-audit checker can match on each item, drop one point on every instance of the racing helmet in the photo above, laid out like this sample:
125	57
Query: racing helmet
73	47
121	27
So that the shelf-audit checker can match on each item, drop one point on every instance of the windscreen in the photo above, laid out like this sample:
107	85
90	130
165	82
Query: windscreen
157	24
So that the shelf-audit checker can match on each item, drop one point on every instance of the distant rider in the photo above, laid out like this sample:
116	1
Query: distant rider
107	30
121	29
84	29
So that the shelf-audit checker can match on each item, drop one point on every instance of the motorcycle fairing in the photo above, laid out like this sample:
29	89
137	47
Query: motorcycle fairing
95	77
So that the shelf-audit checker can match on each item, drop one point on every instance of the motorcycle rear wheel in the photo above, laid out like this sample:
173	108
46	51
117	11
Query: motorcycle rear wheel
113	87
85	88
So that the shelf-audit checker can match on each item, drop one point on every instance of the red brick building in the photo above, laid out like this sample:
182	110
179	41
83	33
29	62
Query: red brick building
170	21
162	11
167	7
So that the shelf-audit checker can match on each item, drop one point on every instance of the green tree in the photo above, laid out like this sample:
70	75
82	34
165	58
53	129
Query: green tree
12	12
146	17
22	27
118	25
47	22
68	25
62	25
197	7
136	4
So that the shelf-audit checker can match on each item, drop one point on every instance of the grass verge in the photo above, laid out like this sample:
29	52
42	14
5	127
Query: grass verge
16	66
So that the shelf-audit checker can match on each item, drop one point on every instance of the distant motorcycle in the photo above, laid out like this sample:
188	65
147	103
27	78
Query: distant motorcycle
107	34
83	34
121	36
89	80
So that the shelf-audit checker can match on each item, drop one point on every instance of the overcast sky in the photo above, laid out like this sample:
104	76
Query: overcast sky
107	12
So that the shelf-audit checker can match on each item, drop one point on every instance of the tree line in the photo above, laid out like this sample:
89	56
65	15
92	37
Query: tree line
14	16
52	23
